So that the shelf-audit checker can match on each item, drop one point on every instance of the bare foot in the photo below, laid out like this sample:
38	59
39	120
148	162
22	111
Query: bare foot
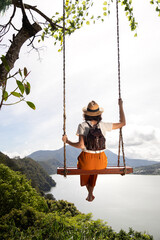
87	198
90	198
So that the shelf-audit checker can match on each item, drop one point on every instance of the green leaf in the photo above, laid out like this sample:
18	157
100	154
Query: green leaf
67	2
27	88
135	35
129	18
42	37
104	8
16	94
5	95
105	3
25	71
105	13
4	61
88	22
20	86
31	105
126	8
20	73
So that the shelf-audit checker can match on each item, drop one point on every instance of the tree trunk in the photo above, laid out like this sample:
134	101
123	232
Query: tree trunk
12	55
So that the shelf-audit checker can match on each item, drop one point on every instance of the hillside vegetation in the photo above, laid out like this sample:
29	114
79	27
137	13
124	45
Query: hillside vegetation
33	171
148	170
26	215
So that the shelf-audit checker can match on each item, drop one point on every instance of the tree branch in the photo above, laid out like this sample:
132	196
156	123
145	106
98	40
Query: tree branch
53	25
5	28
27	31
13	53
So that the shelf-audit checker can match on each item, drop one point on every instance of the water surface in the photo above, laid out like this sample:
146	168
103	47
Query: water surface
123	202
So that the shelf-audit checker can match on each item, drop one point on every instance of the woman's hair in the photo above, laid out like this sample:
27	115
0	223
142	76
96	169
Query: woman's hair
90	118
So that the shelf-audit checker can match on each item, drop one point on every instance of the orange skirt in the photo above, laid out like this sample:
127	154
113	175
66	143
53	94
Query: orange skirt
91	161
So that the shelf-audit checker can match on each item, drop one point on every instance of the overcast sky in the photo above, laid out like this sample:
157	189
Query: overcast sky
91	74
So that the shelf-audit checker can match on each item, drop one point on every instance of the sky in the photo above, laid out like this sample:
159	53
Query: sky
91	74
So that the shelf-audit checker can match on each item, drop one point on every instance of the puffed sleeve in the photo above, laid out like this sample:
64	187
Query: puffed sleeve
80	130
106	126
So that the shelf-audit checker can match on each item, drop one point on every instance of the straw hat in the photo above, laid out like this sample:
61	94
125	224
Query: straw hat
92	109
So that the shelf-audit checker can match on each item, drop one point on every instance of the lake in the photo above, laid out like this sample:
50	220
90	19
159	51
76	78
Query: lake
121	201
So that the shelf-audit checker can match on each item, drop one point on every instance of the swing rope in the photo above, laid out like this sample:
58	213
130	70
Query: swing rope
119	91
64	88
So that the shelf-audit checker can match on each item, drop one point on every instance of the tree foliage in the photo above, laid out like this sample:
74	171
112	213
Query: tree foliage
16	191
4	5
157	4
40	180
21	90
79	13
25	215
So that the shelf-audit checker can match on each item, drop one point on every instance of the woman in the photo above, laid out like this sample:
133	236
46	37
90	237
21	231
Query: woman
89	159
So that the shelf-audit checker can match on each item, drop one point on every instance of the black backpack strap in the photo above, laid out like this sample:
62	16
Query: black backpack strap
92	126
89	124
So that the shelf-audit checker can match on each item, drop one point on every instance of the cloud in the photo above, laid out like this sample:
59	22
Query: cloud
139	137
142	142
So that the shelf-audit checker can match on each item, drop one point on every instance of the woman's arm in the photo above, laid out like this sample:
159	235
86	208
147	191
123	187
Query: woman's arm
79	144
122	117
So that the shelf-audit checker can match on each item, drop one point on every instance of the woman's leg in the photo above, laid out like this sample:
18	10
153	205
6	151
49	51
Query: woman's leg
90	196
89	181
90	187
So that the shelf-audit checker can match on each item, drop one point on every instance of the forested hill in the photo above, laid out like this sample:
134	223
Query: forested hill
39	177
148	170
24	214
51	159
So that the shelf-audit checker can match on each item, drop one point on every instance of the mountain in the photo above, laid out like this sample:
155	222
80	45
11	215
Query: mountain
56	156
52	159
33	171
148	170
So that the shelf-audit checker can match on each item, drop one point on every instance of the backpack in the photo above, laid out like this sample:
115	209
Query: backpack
94	139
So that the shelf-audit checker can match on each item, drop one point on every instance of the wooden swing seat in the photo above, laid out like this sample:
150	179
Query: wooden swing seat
109	170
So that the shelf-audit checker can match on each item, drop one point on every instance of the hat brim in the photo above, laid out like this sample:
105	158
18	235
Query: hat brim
101	110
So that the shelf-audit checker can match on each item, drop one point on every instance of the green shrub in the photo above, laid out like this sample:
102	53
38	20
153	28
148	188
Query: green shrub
26	215
16	191
63	207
